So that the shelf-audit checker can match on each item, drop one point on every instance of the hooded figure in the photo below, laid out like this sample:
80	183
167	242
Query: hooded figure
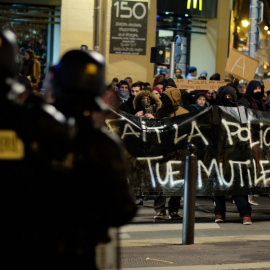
215	77
149	105
254	95
228	97
171	98
169	83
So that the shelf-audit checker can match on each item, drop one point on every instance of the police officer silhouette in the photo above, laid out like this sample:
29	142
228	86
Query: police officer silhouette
99	192
33	145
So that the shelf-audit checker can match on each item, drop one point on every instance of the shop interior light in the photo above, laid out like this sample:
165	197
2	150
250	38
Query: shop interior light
245	23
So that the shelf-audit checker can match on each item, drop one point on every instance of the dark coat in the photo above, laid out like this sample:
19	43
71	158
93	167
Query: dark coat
255	102
127	106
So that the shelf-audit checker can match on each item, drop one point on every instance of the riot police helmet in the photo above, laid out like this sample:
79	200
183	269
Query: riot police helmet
79	79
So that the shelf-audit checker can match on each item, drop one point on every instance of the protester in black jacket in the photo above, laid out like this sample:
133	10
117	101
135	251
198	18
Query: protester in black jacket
127	106
228	98
254	95
254	100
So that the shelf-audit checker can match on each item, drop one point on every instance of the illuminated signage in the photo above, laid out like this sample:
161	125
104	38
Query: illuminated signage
196	8
195	2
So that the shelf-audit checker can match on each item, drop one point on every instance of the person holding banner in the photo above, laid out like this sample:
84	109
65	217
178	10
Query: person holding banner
254	95
178	73
146	103
228	98
171	98
211	97
254	100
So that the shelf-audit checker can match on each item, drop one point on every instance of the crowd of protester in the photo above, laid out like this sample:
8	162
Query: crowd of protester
57	186
157	99
151	100
140	101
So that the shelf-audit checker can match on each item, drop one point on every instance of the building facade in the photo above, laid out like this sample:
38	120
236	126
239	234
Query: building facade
101	24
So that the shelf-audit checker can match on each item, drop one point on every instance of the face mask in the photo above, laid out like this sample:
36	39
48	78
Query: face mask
257	95
123	94
145	103
228	102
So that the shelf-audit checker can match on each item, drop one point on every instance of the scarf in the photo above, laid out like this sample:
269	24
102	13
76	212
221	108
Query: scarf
257	105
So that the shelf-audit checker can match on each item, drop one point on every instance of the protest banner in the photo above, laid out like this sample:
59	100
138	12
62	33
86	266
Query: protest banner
199	84
266	83
241	66
233	156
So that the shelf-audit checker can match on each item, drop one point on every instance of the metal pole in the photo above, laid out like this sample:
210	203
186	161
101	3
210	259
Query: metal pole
176	54
96	31
172	60
252	30
255	18
189	197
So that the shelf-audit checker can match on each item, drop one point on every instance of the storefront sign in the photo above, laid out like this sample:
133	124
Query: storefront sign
128	27
34	2
195	2
200	8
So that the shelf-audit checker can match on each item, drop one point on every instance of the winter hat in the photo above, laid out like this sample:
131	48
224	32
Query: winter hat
146	88
204	74
121	83
200	94
192	69
215	77
157	89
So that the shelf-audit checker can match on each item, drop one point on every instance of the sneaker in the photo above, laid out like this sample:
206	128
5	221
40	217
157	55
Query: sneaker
175	216
251	200
219	218
161	215
247	221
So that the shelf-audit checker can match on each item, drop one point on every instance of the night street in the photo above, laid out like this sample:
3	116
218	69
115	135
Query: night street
228	245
